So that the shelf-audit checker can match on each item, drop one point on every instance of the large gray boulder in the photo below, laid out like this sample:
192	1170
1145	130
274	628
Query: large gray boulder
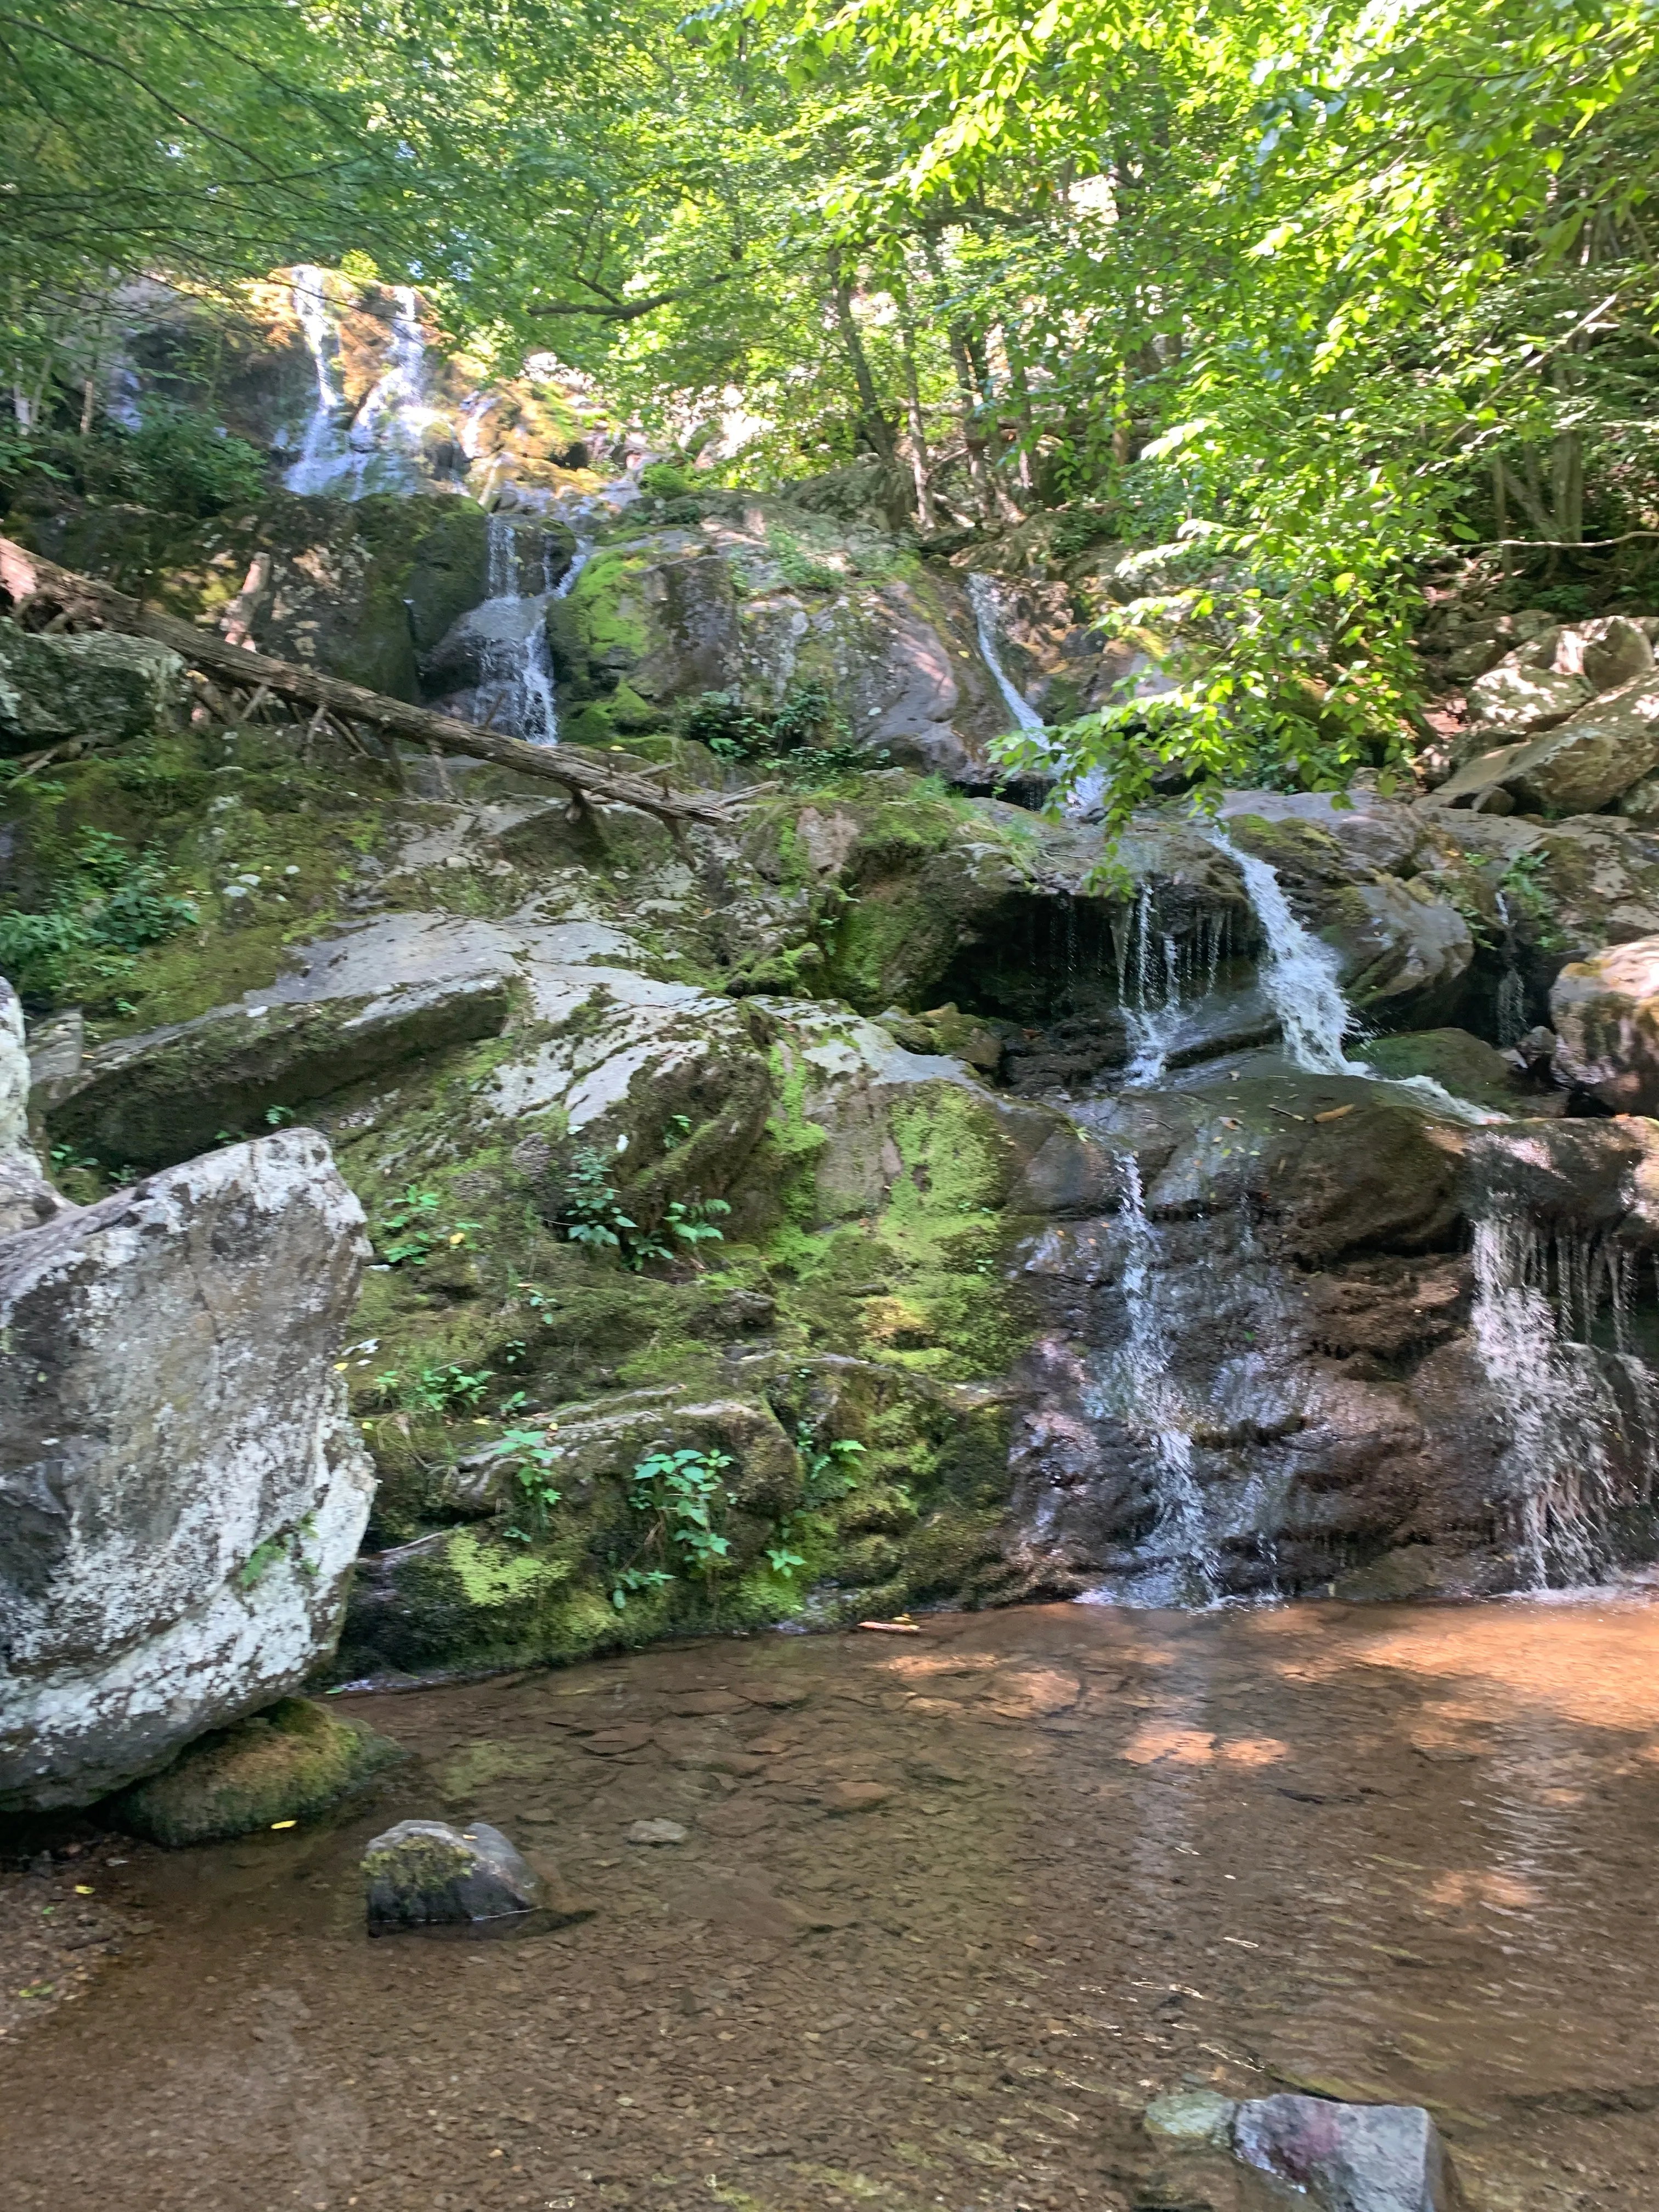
1604	1014
1606	748
182	1495
101	685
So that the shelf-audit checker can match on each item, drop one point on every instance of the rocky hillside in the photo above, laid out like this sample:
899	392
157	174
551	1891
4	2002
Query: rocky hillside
890	1198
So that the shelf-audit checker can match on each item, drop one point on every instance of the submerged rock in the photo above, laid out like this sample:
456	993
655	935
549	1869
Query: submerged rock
289	1763
183	1495
1209	2153
424	1873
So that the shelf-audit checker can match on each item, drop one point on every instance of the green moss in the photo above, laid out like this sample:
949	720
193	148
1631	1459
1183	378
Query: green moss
290	1763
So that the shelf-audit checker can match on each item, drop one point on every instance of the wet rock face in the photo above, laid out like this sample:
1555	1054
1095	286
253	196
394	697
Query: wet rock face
423	1873
183	1495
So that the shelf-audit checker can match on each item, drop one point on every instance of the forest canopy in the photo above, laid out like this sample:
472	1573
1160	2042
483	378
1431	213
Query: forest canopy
1305	298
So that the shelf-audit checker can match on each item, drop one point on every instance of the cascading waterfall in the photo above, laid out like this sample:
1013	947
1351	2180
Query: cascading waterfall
385	439
1580	1447
516	694
1300	976
1299	973
1511	1009
1159	977
1140	1388
982	597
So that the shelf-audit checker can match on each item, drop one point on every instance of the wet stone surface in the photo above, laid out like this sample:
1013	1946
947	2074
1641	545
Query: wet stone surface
950	1911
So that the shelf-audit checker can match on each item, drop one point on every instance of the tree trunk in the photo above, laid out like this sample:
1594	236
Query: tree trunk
25	577
877	428
1021	387
920	460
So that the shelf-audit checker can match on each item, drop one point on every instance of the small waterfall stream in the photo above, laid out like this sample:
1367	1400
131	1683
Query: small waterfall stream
1160	977
516	692
982	597
1580	1445
1139	1386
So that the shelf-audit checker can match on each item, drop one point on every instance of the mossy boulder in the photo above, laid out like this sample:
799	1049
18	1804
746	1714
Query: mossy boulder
1465	1065
101	686
289	1763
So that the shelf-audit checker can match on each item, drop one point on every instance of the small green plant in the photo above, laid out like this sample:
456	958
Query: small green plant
676	1131
106	905
443	1386
68	1161
414	1227
628	1582
593	1215
680	1492
664	480
529	1459
830	1471
806	741
276	1115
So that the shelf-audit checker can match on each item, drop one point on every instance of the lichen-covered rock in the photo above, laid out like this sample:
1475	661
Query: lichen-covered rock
424	1874
289	1763
150	1100
183	1495
1605	1012
100	685
760	600
1581	763
26	1198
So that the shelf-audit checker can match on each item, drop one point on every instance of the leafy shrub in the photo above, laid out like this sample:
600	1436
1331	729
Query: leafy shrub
108	905
415	1226
592	1216
681	1492
664	480
806	741
178	460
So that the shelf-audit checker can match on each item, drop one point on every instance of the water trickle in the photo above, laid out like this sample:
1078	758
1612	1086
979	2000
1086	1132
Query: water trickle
982	597
1511	1009
1160	977
1139	1386
1582	1424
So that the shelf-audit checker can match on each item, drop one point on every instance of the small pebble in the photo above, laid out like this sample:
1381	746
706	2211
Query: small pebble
656	1831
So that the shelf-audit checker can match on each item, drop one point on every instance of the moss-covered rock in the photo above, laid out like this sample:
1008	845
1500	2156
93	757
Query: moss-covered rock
289	1763
101	687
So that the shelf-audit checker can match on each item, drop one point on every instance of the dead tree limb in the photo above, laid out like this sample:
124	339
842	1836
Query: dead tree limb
28	579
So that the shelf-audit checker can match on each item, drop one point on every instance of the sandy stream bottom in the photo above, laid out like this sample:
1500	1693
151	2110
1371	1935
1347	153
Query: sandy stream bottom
950	1908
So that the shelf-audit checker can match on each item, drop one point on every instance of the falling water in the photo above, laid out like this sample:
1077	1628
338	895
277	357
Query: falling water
1159	977
516	694
1512	1010
982	597
1140	1390
1564	1413
384	442
1299	973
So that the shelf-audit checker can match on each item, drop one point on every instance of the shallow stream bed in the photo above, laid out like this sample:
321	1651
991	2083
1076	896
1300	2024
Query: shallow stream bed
951	1908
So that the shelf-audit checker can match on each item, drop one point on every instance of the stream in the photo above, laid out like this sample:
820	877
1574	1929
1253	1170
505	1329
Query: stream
951	1908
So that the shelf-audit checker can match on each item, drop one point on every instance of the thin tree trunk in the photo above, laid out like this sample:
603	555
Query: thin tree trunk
877	429
920	460
1021	385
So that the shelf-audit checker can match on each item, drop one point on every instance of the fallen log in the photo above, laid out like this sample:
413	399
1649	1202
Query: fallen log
27	578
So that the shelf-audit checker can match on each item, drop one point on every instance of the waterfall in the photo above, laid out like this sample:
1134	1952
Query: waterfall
319	455
1511	1009
1299	973
516	694
1140	1388
385	437
1159	976
1300	978
982	597
1559	1395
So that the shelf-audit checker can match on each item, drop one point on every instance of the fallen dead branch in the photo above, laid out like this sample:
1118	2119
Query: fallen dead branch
37	586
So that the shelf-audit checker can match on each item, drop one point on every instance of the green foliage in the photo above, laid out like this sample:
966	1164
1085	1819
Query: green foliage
416	1226
664	480
681	1493
592	1215
806	741
439	1387
529	1458
107	905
